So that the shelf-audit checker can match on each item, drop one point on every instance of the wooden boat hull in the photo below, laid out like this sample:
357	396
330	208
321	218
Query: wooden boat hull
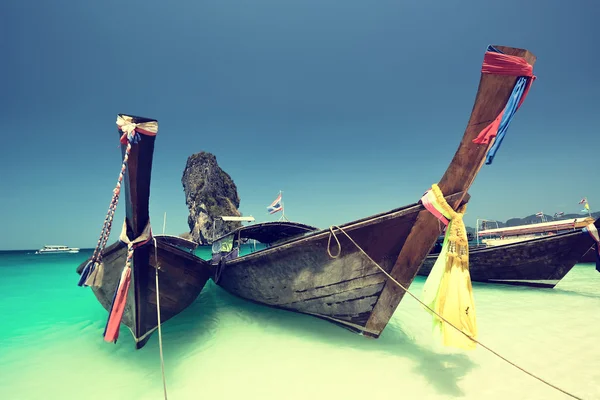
541	262
182	276
301	276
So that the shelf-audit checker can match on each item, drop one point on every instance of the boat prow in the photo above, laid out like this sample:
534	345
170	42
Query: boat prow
142	276
182	276
325	273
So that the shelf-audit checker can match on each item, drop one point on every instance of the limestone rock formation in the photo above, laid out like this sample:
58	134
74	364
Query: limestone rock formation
209	192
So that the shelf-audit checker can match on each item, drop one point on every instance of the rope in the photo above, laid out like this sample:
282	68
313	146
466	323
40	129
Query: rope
132	138
329	245
160	347
107	226
331	232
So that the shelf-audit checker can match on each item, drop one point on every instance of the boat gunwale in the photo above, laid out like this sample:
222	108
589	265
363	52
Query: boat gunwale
118	245
349	226
254	226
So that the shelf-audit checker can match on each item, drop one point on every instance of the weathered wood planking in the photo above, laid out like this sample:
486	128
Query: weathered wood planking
299	275
182	277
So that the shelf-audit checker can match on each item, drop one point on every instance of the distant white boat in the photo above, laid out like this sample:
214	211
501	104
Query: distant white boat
54	249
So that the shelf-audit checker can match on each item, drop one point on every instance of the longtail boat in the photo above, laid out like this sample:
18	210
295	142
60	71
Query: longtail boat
538	262
140	259
325	273
511	234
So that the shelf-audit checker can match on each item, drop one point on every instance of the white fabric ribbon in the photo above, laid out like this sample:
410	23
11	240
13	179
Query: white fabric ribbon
127	125
146	235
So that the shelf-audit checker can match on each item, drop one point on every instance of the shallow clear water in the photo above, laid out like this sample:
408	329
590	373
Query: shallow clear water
225	348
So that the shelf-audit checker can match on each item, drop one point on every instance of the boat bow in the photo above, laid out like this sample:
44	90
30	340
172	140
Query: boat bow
493	95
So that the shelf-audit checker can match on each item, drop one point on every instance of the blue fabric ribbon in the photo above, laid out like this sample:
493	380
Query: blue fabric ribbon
509	112
134	138
87	270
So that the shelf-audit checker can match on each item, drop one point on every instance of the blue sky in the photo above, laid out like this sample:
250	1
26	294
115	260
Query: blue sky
350	107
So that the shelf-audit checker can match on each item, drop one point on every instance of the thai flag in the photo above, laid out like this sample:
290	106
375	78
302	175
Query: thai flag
275	206
559	214
540	214
583	200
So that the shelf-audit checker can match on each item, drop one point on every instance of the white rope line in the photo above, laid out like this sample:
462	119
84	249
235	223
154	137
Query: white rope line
439	316
160	347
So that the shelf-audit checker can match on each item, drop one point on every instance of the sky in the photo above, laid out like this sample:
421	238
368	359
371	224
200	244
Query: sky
349	107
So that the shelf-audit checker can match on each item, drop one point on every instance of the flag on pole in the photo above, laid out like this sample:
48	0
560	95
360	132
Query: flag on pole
276	205
540	214
586	206
559	214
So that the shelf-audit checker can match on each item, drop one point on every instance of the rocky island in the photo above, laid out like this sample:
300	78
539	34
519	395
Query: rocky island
209	193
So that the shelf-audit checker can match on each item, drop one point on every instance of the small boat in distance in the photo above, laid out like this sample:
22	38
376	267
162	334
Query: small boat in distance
57	249
513	234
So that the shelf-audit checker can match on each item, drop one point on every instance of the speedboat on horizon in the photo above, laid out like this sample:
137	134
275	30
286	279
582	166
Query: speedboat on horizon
57	249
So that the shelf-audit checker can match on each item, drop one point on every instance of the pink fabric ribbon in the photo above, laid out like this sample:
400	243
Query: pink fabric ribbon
428	204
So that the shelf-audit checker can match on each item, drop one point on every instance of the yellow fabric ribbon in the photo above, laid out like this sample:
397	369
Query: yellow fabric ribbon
448	289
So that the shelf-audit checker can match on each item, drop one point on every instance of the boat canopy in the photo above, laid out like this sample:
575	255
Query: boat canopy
269	232
568	224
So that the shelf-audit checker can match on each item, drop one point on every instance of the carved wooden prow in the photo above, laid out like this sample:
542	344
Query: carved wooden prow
492	96
137	198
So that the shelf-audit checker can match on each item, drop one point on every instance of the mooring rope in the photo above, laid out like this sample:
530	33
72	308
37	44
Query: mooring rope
160	346
332	233
339	246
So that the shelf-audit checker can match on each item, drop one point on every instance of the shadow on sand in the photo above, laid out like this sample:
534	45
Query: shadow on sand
189	332
442	371
196	328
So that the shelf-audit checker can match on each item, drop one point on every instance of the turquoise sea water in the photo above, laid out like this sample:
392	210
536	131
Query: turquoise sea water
222	347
